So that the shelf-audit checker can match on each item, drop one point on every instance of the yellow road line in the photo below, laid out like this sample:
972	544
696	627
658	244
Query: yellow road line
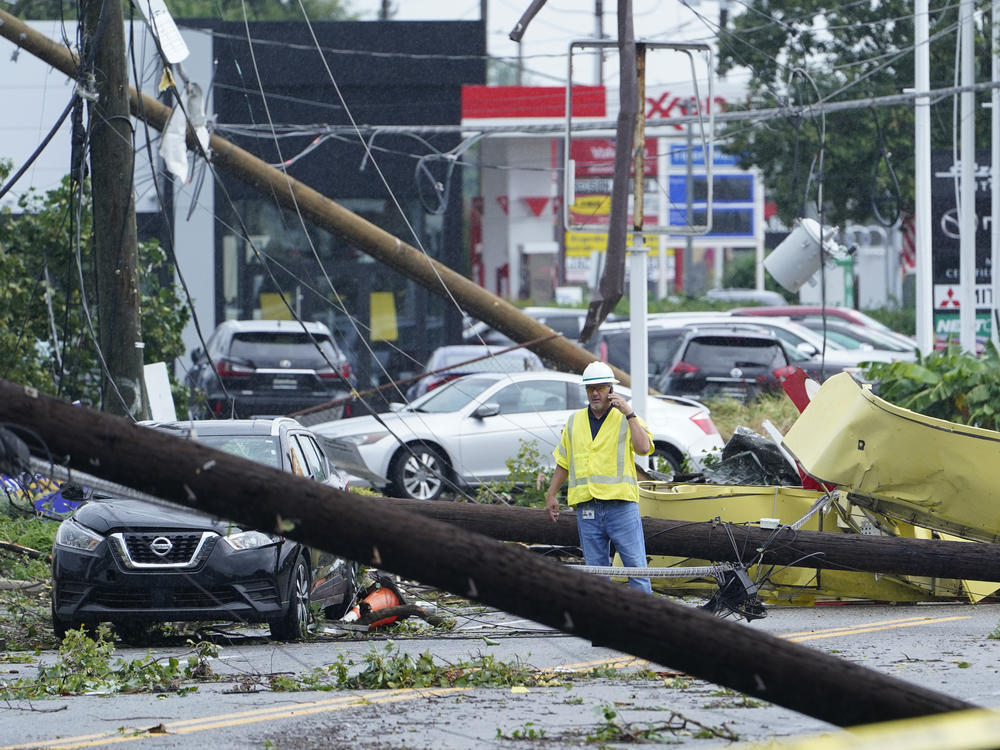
252	716
238	718
849	627
619	663
871	629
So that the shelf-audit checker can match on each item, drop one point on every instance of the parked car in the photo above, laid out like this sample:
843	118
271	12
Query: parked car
853	336
723	362
461	435
450	362
613	341
737	295
810	342
813	312
666	331
134	563
266	368
566	320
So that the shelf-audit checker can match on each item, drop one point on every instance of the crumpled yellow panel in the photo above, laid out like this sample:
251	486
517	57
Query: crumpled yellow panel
921	470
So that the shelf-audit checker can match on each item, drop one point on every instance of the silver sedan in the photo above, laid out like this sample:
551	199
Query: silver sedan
461	435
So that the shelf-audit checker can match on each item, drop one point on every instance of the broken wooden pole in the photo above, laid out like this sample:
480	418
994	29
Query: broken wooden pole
471	565
330	215
732	542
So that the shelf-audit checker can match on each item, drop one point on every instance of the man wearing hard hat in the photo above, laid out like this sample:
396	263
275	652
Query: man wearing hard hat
597	455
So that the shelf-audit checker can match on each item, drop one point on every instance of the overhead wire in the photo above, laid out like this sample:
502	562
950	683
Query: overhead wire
315	254
85	72
170	245
392	195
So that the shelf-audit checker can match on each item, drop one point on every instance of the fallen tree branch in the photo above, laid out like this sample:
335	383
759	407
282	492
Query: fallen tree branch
12	547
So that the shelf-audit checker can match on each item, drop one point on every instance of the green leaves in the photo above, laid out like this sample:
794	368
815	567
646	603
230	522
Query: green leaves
45	314
527	479
84	666
947	384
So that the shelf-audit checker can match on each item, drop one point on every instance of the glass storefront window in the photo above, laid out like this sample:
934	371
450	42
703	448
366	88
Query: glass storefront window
323	276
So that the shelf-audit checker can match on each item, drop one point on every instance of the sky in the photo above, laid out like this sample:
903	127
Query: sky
546	41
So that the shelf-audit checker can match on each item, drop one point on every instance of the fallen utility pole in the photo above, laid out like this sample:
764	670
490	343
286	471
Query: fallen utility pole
710	540
504	576
330	215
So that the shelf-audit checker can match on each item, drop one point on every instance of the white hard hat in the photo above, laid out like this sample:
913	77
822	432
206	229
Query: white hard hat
599	373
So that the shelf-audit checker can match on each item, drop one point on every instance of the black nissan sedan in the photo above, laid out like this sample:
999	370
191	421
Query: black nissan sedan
133	562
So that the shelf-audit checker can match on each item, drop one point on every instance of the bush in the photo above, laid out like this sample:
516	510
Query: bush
948	384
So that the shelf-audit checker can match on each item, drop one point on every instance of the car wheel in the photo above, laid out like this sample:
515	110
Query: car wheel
666	461
60	626
419	473
292	625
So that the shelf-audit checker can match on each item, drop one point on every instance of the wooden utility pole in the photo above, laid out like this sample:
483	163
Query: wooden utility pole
114	231
722	542
513	579
330	215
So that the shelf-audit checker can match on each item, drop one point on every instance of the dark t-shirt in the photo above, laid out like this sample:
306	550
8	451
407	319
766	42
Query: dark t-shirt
595	423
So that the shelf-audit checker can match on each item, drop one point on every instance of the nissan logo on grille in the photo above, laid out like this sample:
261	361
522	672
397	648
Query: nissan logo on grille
161	546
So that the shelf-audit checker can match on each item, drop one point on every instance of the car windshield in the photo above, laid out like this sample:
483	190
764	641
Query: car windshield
260	448
453	395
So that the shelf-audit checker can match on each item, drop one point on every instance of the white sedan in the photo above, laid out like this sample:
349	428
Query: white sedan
461	435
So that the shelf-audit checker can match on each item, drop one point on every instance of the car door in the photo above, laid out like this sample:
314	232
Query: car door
332	578
530	411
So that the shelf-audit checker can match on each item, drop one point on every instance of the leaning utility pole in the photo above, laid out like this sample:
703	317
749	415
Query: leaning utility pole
114	232
328	214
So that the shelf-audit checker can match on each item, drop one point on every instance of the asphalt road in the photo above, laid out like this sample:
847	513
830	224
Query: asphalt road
944	647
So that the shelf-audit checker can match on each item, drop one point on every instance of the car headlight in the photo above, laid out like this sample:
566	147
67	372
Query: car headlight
73	535
249	540
366	438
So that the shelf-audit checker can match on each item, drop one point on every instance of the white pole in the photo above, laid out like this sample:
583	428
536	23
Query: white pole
967	192
598	34
922	184
994	179
758	222
639	331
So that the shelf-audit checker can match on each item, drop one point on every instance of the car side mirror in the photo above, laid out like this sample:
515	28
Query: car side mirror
808	349
489	409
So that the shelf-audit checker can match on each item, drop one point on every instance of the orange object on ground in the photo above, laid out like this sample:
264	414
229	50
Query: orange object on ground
380	595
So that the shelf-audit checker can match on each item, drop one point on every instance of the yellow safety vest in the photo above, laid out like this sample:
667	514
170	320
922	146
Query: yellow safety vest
603	467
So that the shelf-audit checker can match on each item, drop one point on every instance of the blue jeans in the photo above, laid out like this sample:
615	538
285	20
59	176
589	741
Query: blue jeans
601	522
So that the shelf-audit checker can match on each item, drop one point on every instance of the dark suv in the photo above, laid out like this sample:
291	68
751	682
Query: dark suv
612	344
134	563
266	368
718	362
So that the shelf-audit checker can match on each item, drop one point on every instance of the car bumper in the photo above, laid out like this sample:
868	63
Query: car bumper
239	586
